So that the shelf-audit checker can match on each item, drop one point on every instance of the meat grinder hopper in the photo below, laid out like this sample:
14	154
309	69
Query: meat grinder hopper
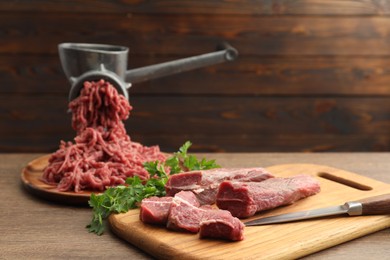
92	62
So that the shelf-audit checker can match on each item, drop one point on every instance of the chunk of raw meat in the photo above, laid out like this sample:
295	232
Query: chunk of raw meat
155	210
186	215
205	183
244	199
221	224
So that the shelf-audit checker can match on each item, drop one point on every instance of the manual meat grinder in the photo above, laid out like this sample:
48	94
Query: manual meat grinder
91	62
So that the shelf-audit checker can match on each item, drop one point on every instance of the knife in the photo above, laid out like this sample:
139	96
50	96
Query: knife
377	205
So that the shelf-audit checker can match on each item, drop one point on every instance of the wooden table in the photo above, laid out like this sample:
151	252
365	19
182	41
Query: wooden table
32	228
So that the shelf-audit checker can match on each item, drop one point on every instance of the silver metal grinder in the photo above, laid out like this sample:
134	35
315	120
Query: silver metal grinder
92	62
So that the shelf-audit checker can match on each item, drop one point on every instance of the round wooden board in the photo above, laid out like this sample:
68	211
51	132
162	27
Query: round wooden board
31	180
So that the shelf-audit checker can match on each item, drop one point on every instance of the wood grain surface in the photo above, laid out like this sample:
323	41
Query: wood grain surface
278	241
280	75
247	7
293	54
216	124
32	228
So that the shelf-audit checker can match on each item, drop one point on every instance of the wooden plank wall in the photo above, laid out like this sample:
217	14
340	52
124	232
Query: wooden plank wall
311	76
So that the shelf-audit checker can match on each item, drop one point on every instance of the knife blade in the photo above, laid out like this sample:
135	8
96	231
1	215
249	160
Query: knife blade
377	205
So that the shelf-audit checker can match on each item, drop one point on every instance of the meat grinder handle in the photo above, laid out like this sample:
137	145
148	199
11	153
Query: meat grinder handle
225	52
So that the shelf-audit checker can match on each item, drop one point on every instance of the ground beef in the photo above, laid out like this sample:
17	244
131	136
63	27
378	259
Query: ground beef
102	153
244	199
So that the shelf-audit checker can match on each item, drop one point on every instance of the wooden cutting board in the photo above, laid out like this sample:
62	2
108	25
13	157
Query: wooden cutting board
289	240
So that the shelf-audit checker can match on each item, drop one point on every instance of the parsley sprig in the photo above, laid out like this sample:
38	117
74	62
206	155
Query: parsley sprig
122	198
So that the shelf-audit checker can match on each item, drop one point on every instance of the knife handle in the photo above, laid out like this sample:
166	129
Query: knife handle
377	205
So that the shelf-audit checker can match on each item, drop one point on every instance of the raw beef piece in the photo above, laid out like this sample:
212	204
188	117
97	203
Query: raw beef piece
205	183
185	214
155	210
244	199
221	224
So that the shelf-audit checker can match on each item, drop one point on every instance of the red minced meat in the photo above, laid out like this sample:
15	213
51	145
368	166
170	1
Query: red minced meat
244	199
155	210
205	183
102	154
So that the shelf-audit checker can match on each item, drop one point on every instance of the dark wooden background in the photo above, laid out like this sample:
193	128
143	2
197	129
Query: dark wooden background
311	76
